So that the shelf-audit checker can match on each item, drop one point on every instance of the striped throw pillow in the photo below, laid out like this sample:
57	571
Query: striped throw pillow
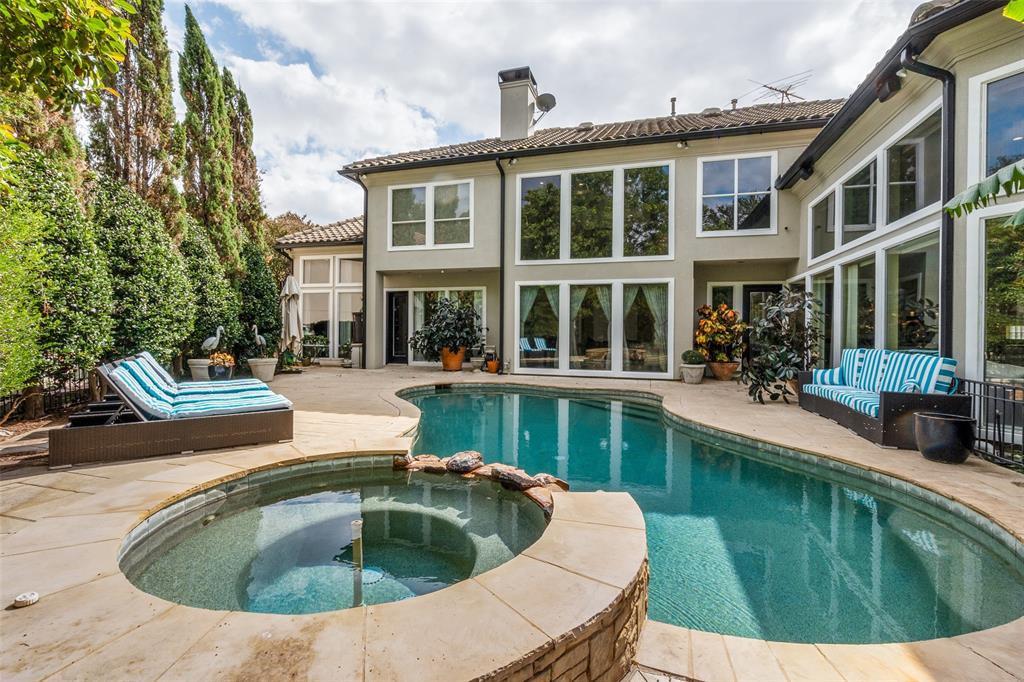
828	377
872	369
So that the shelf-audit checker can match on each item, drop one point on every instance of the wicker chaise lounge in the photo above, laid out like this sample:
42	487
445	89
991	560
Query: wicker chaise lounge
875	393
148	415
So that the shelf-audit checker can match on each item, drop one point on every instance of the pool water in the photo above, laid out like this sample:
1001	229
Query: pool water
285	546
740	546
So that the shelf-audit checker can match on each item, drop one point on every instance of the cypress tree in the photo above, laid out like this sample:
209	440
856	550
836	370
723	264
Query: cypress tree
209	189
245	173
153	300
131	136
217	301
260	302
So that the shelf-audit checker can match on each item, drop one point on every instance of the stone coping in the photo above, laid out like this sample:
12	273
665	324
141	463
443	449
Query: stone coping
90	621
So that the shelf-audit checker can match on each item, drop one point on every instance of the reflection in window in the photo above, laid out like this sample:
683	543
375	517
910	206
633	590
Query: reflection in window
349	307
912	295
451	214
538	327
540	213
722	294
823	226
822	287
316	271
859	196
424	304
350	271
915	165
736	194
590	309
409	216
646	211
1004	302
590	216
316	321
1004	122
645	327
859	304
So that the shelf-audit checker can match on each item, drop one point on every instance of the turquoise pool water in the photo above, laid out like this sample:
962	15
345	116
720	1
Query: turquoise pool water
740	546
284	544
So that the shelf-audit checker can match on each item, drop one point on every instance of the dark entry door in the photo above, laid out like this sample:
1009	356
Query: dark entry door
398	327
753	307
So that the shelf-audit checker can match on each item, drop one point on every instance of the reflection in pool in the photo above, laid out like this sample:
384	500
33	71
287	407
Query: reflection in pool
740	546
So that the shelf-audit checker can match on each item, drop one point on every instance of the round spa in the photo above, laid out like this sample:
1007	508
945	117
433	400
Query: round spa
280	540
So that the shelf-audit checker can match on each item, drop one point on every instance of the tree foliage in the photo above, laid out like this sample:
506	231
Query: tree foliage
132	134
784	341
21	257
260	303
275	228
209	188
245	174
217	302
153	300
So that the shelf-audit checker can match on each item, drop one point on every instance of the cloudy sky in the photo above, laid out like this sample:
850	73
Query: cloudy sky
332	82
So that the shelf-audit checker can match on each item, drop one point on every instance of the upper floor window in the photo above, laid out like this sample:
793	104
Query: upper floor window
914	166
350	271
433	215
737	194
316	271
1004	122
860	194
596	214
823	226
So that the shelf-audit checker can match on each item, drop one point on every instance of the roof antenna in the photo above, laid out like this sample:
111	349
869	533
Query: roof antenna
673	102
781	88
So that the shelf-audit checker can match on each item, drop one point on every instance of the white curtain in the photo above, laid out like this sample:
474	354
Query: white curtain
604	297
629	292
657	301
527	297
576	296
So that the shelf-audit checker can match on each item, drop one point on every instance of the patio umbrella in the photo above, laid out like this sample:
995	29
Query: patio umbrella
291	320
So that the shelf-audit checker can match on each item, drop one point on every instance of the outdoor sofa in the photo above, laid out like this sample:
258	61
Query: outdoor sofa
875	393
147	414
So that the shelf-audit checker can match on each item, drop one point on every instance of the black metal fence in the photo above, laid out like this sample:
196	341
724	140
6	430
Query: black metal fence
57	396
999	410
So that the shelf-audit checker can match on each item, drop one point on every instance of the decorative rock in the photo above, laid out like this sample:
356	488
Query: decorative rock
465	461
542	496
516	479
402	461
25	599
485	471
427	458
437	467
548	480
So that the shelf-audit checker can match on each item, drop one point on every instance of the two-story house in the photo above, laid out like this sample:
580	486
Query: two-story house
587	249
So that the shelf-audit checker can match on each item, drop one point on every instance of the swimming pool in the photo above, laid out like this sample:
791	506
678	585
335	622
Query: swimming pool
280	540
739	545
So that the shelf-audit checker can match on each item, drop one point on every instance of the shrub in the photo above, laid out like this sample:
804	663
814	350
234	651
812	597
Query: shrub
719	334
154	306
260	303
21	256
217	302
453	326
692	357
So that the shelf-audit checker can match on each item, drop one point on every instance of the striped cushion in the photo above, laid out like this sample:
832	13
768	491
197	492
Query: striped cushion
872	368
231	404
158	373
933	374
865	402
852	362
151	405
829	377
194	388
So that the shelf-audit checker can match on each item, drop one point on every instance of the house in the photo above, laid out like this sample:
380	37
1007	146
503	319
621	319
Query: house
587	249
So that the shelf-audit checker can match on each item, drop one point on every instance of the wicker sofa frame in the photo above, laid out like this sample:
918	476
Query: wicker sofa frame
894	427
116	430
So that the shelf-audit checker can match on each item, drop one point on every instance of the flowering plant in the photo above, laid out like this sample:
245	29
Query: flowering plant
719	334
222	360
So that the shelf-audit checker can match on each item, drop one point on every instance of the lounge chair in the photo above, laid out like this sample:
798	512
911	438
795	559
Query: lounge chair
524	345
152	416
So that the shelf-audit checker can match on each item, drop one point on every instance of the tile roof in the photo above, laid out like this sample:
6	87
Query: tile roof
347	231
814	112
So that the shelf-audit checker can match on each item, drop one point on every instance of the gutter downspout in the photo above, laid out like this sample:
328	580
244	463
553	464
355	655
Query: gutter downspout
909	62
366	237
501	269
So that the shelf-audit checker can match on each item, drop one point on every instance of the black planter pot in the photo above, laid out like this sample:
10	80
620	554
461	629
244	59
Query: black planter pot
945	438
221	372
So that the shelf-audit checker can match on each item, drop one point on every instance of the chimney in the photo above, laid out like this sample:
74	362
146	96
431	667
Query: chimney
518	102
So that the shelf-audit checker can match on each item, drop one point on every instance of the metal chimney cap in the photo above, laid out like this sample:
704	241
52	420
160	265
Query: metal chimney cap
518	73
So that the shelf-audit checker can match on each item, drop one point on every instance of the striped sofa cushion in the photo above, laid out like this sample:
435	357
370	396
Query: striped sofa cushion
828	377
872	368
861	400
931	373
852	361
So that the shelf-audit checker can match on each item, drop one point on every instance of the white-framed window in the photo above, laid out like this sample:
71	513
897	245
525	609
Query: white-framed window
598	214
433	215
860	203
995	125
315	271
331	303
914	169
736	195
611	327
422	303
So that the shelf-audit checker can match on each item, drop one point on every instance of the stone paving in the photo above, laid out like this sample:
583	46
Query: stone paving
60	531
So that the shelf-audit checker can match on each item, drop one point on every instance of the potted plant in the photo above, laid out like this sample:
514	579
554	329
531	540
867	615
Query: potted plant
492	363
785	342
448	334
692	369
719	338
222	365
199	368
314	347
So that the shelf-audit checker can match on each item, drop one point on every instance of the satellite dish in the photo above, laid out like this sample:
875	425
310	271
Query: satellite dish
546	102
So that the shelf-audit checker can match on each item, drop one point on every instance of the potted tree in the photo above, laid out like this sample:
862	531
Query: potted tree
692	369
448	334
785	342
719	338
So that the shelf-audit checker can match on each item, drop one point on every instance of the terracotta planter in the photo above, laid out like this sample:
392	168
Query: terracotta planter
723	371
200	369
452	362
691	374
794	386
493	366
263	368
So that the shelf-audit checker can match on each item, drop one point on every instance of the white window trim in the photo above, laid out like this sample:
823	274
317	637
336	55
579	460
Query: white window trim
410	322
977	89
618	213
337	272
302	271
429	215
617	340
974	317
878	154
332	289
737	289
774	194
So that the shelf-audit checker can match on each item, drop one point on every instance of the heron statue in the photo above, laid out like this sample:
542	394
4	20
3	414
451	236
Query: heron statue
261	342
211	344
